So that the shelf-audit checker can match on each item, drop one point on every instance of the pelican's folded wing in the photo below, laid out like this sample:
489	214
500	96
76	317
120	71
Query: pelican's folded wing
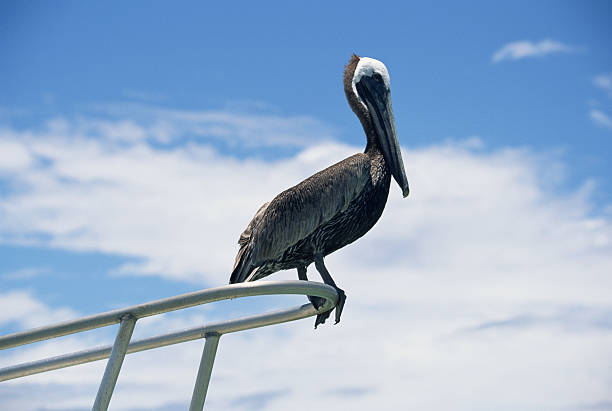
298	211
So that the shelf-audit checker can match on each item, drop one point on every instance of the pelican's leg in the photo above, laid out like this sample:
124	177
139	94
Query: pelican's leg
327	279
316	301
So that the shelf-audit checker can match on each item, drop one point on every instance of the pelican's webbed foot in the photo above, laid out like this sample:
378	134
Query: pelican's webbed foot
339	306
318	302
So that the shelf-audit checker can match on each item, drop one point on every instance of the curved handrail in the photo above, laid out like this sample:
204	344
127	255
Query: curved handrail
164	305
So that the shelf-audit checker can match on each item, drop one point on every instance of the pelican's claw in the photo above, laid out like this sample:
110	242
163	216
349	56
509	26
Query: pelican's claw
340	305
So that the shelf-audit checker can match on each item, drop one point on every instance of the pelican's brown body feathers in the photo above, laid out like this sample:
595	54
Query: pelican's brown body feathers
323	213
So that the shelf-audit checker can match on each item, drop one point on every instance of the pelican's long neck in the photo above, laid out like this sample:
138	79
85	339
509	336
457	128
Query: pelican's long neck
373	144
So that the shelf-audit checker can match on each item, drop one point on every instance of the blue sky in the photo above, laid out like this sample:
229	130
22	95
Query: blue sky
138	139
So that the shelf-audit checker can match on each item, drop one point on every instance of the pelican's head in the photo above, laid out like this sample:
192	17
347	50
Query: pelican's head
368	90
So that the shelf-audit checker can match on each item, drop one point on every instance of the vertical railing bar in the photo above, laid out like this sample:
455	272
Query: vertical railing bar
203	378
113	366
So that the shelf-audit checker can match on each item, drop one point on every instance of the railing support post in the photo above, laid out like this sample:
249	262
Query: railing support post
113	366
206	365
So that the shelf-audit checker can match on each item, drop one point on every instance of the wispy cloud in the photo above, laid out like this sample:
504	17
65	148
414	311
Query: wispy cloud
352	391
258	400
524	49
24	308
600	118
605	405
233	127
572	319
604	82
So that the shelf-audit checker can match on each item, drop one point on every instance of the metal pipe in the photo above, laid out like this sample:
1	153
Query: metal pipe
224	327
171	304
206	365
113	366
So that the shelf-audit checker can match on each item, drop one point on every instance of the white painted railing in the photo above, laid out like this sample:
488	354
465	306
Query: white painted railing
127	318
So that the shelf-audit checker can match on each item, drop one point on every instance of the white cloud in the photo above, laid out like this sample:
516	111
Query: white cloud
23	308
600	118
233	128
13	155
523	49
604	82
486	280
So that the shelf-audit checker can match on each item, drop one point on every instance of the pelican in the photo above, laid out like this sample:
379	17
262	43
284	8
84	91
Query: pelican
335	206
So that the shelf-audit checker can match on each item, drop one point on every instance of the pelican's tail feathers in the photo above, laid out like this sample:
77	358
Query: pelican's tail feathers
242	267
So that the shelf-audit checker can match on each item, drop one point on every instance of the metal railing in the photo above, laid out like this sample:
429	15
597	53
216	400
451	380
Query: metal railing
127	318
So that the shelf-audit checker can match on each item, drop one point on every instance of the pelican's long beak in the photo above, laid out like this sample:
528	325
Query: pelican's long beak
377	98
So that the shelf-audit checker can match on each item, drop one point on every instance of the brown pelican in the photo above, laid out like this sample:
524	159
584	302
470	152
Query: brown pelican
336	206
